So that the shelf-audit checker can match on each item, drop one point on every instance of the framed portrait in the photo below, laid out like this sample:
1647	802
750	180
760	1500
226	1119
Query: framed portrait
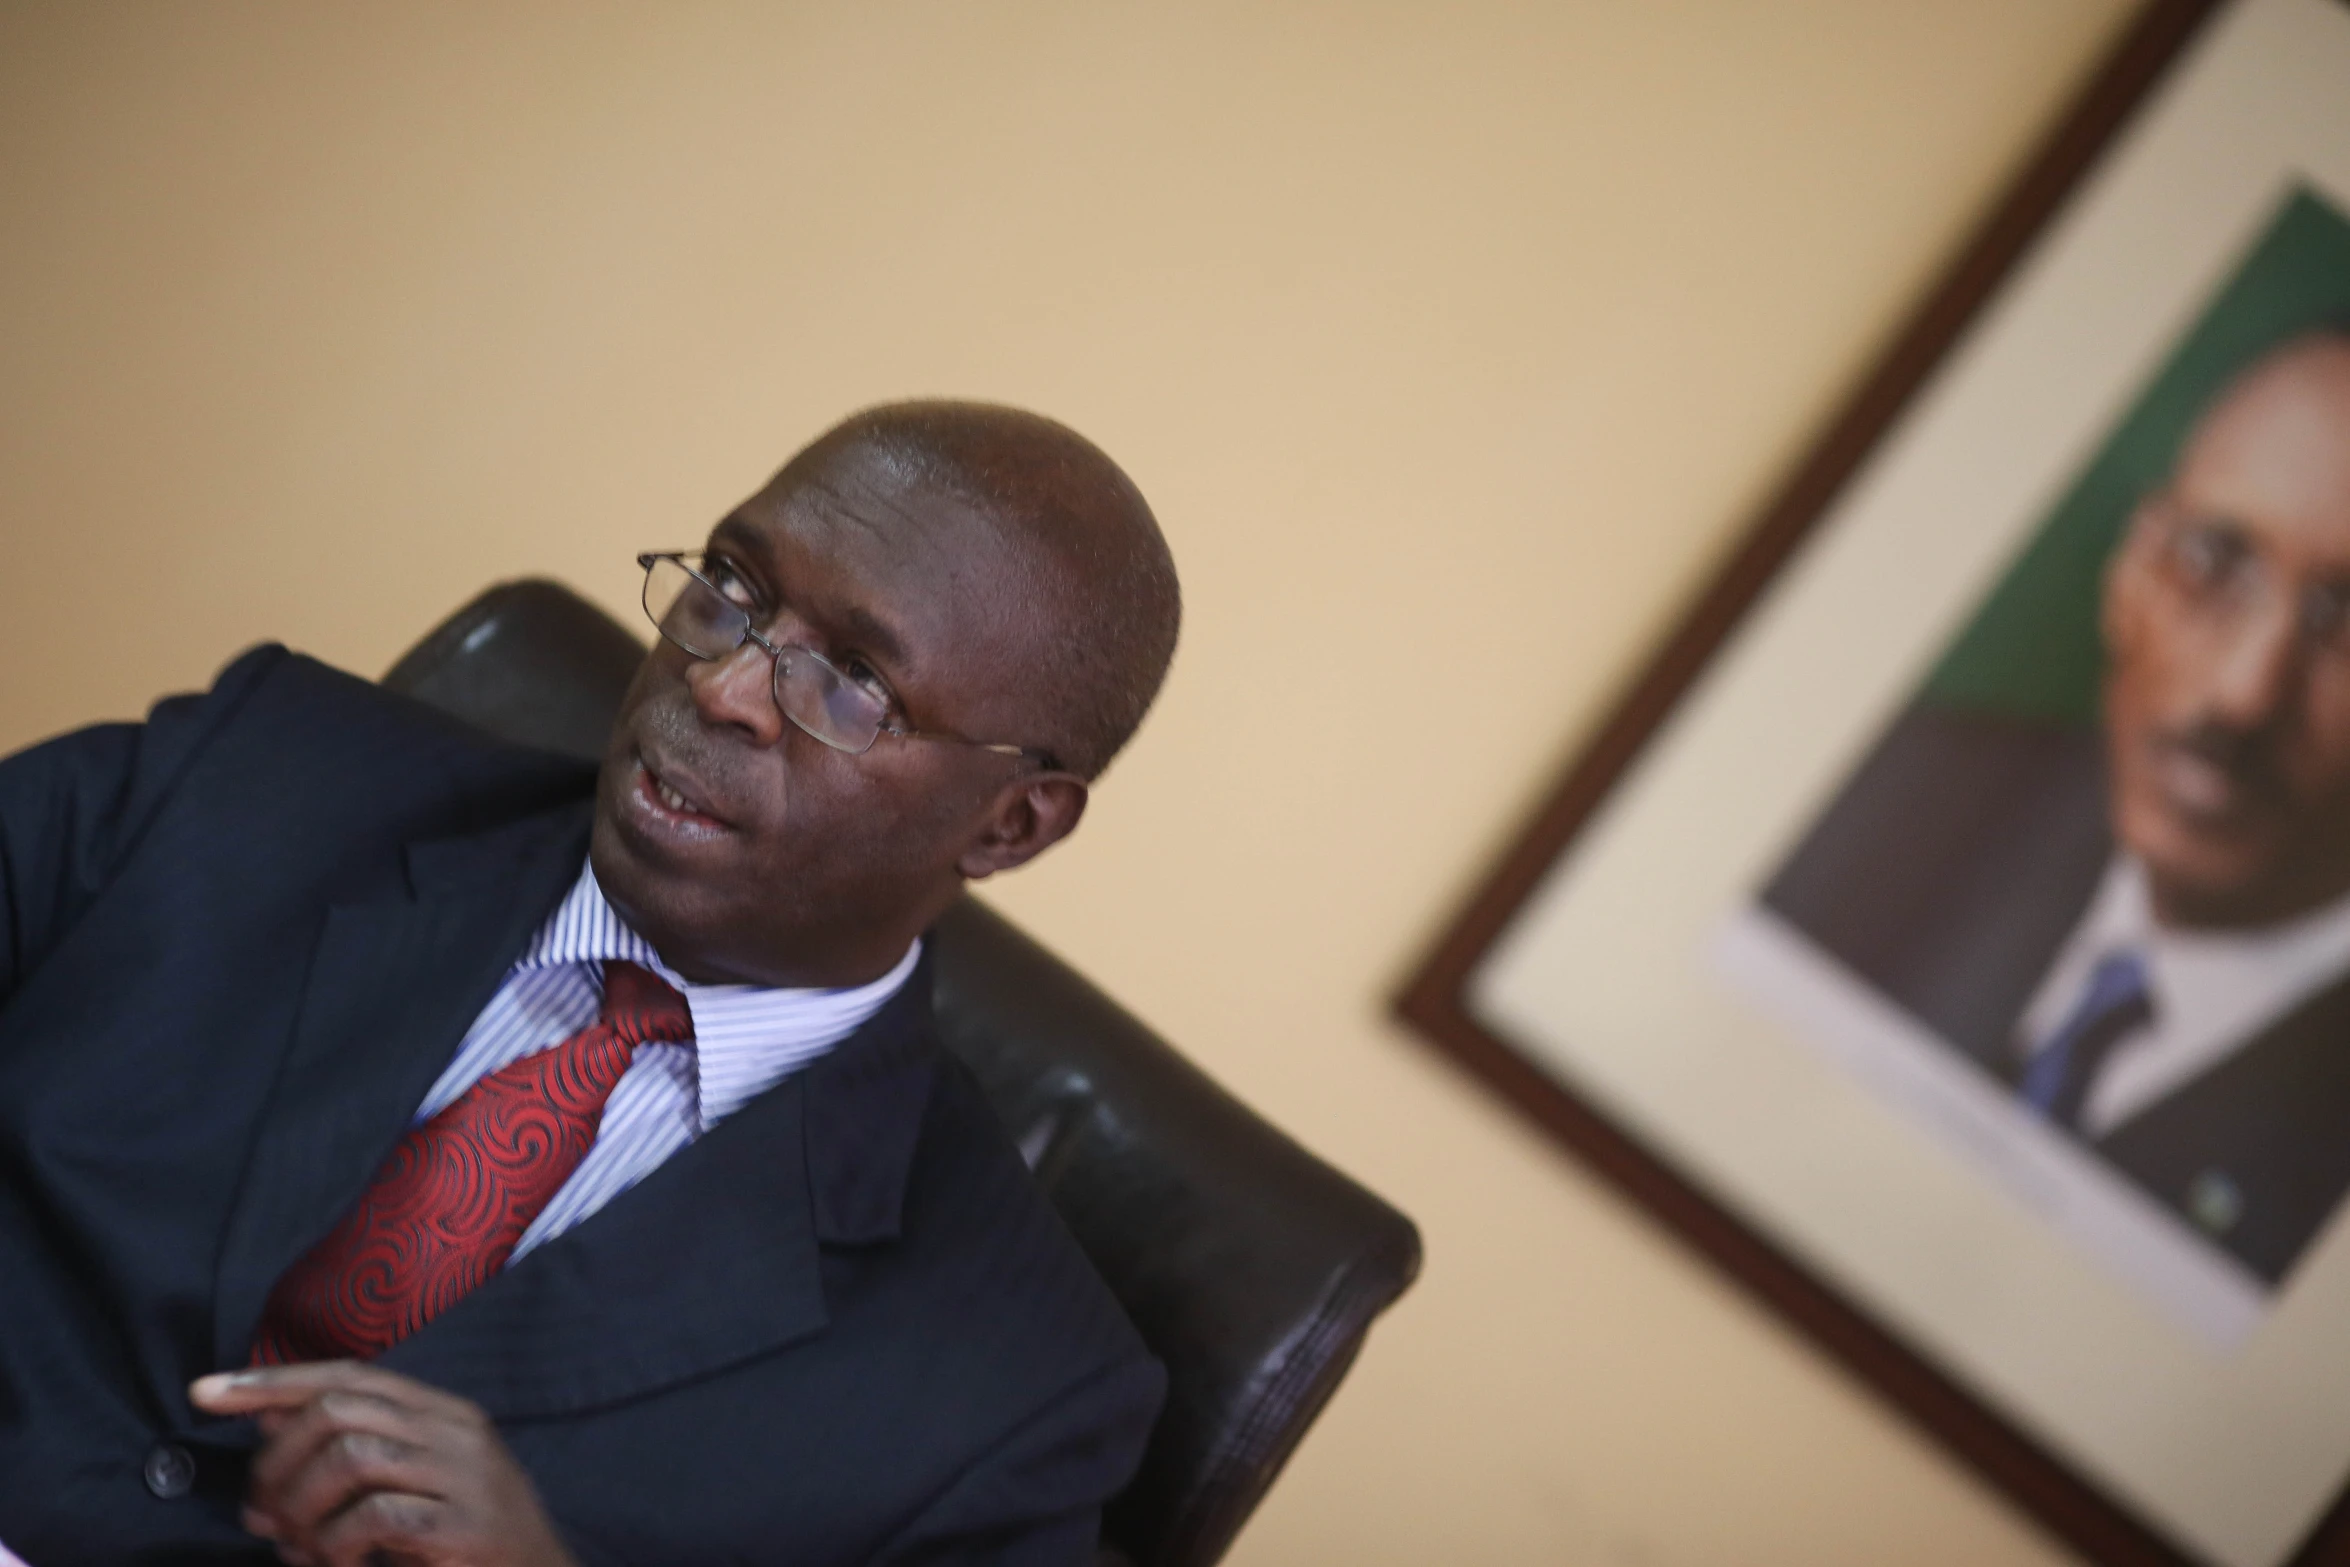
1950	932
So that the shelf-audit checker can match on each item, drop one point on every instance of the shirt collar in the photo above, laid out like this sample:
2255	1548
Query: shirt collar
747	1038
2208	987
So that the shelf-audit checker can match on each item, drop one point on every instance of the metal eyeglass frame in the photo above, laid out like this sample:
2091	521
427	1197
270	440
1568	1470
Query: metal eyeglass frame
778	651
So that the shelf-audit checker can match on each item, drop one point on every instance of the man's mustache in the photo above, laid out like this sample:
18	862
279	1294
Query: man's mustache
675	735
2247	753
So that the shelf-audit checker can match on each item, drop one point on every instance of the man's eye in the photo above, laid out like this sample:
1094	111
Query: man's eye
2210	555
866	675
729	582
2325	613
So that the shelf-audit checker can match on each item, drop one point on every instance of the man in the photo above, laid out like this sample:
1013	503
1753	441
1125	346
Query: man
530	1165
2146	933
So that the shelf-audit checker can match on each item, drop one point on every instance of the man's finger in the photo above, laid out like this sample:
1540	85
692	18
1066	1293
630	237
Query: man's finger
349	1470
276	1387
398	1526
284	1387
301	1433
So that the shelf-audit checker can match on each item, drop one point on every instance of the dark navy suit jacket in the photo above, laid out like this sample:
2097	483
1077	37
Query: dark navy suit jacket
1948	872
238	943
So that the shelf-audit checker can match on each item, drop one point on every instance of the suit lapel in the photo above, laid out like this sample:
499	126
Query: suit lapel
715	1256
710	1260
2251	1151
393	984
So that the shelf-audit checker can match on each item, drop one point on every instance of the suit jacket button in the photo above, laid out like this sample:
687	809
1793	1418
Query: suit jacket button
170	1470
2215	1201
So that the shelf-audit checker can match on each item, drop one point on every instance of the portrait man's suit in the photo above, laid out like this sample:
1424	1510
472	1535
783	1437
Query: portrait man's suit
240	942
1949	871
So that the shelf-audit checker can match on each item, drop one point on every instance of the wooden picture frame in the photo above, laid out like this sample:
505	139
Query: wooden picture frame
1438	1000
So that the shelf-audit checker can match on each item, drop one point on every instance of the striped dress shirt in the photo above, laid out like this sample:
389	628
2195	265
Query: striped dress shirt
747	1038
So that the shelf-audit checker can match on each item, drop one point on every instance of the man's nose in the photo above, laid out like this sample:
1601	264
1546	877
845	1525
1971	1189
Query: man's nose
2254	671
738	692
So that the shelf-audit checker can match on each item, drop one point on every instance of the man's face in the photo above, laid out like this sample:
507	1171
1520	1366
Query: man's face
792	862
2227	630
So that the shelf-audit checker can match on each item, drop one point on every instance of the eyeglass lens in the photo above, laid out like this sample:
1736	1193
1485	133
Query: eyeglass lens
689	612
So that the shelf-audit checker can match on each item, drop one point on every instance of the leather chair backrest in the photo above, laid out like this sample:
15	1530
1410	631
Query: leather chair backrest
1251	1268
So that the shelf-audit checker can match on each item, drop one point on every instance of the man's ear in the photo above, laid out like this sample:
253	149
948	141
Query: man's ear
1030	816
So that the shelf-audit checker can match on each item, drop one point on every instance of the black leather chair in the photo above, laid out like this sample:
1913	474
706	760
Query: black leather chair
1252	1268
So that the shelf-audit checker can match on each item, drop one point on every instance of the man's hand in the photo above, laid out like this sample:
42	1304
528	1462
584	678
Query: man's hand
359	1466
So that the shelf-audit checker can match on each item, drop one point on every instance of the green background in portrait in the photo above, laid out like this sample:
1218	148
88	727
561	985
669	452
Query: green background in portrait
2031	651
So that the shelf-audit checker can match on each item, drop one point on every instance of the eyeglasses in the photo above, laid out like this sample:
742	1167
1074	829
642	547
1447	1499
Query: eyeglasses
847	714
2217	569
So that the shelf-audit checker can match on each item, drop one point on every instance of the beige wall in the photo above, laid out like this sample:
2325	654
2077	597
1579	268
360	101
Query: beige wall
1450	340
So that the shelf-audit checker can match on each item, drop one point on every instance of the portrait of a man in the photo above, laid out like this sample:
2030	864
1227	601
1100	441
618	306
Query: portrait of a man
2140	926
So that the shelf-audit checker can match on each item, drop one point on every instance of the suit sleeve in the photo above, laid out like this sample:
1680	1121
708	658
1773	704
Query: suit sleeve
1036	1500
71	809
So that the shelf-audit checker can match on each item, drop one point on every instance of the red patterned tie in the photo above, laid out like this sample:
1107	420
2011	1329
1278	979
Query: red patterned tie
444	1212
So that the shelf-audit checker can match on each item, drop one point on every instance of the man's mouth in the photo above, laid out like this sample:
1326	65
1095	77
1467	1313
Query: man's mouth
675	799
2207	781
2197	786
671	798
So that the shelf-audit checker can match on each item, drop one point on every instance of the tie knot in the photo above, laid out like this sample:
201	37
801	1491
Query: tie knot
640	1005
2117	983
2057	1077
